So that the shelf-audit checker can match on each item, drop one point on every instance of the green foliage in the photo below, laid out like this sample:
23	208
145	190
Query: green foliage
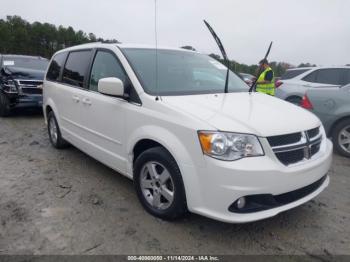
278	67
17	36
306	65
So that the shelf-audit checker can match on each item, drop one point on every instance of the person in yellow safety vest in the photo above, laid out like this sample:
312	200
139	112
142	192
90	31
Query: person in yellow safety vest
265	83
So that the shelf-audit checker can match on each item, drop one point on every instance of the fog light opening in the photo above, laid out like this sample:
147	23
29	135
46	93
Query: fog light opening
240	203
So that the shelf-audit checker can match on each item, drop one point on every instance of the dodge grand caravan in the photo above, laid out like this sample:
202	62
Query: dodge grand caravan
188	146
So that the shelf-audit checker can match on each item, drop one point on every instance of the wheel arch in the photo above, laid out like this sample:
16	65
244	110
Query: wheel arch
50	106
184	157
151	136
336	122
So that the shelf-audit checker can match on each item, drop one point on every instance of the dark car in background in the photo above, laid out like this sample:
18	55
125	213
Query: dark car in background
332	105
21	79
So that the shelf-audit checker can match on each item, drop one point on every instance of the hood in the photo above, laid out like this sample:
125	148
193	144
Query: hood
24	73
254	113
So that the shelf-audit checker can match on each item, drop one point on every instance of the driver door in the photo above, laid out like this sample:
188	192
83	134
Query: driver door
104	116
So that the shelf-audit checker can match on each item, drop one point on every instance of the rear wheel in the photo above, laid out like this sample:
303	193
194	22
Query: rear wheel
296	100
158	183
341	137
54	131
4	105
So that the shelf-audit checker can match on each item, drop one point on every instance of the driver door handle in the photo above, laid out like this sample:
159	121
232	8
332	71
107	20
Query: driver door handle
87	101
76	98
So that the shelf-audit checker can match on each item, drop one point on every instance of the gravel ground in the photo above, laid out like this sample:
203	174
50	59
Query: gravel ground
64	202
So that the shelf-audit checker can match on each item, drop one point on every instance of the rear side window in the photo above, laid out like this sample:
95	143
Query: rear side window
54	71
293	73
346	77
328	76
75	70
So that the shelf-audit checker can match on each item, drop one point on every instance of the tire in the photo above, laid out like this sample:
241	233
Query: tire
341	134
162	196
5	108
54	131
296	100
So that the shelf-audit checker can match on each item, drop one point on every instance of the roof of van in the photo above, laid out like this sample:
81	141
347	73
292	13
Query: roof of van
100	44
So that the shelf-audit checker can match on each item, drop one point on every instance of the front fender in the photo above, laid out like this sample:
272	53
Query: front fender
162	136
184	157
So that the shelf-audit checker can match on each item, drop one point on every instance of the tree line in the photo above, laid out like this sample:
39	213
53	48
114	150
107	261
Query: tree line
279	68
17	36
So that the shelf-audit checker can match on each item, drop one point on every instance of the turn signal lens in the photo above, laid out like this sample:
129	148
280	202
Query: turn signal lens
205	140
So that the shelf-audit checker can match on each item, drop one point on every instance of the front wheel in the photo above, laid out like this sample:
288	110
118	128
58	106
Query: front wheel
158	183
341	137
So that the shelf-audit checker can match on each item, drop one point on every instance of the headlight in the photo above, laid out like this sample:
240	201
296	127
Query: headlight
10	86
229	146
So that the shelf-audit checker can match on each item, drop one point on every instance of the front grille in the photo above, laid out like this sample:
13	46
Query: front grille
33	83
313	132
291	157
296	147
284	139
30	87
32	91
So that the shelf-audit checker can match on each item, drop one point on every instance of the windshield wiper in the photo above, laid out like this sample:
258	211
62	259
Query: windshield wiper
253	86
223	52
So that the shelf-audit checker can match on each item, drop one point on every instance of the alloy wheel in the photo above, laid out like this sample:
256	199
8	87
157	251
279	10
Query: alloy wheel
53	130
344	138
157	185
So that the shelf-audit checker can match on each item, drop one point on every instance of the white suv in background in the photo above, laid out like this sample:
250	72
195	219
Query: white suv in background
295	82
188	146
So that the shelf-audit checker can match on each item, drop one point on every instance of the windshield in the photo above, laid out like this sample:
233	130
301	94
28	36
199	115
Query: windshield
181	72
25	62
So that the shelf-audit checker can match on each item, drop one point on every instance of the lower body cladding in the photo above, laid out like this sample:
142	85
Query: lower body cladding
255	188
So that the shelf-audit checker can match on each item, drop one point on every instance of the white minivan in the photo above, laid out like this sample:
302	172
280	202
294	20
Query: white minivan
161	117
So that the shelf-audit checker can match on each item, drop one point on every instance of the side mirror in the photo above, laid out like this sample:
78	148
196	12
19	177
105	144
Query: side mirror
111	86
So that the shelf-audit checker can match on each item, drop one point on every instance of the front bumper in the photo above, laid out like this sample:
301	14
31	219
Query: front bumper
221	183
28	101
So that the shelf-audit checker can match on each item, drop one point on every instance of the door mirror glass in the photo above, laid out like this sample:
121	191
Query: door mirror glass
111	86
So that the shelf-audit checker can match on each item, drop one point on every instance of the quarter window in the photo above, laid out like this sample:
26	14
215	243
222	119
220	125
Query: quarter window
105	65
311	77
76	67
293	73
54	71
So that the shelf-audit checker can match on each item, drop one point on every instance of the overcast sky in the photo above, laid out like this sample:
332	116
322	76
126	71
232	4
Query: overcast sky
316	31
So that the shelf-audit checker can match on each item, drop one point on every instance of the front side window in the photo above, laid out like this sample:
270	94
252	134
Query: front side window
76	67
53	73
181	72
105	65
